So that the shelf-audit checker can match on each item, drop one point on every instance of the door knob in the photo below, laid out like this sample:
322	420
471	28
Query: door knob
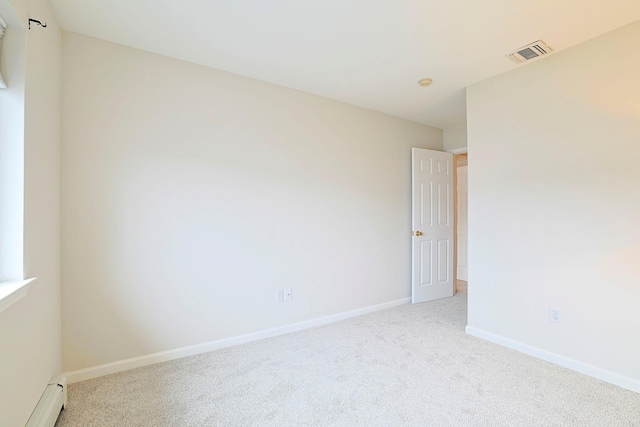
418	233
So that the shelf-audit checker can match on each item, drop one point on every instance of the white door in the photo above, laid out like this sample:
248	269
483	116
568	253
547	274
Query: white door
462	223
432	221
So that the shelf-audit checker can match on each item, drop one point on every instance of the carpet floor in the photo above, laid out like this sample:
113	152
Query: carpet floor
411	365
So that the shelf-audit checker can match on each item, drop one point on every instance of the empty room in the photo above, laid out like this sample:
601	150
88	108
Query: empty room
321	213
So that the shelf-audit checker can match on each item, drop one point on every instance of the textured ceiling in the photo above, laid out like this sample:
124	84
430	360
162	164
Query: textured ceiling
363	52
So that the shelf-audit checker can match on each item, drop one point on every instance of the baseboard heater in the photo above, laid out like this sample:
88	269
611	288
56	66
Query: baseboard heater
51	403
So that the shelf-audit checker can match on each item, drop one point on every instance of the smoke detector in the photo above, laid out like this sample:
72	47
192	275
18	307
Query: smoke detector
530	52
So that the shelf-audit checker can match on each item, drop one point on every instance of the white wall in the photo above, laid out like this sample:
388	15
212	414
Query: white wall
30	330
554	204
455	136
190	195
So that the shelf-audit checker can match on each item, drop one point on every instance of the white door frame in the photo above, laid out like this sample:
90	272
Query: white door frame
459	150
461	227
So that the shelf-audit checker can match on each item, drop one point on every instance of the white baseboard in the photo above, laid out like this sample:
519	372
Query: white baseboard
164	356
592	371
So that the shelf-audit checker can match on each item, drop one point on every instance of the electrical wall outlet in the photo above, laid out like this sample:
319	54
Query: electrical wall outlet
554	315
280	295
287	294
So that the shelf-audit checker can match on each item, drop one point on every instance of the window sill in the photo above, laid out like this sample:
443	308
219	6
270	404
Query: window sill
13	291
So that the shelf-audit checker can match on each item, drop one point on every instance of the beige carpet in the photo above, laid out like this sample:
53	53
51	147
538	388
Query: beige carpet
408	366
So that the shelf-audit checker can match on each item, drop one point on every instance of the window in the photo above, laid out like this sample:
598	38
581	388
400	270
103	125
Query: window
12	47
3	25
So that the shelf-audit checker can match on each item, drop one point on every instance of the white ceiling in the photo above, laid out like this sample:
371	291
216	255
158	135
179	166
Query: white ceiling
369	53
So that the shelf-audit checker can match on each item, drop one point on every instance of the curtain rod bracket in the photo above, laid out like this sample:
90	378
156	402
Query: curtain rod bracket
37	22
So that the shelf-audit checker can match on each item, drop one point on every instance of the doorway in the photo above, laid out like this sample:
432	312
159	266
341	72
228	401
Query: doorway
461	161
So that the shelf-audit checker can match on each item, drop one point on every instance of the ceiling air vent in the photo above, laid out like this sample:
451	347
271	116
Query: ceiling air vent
529	52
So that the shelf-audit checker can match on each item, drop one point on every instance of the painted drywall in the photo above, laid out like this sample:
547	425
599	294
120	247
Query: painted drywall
455	136
30	330
554	202
191	195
